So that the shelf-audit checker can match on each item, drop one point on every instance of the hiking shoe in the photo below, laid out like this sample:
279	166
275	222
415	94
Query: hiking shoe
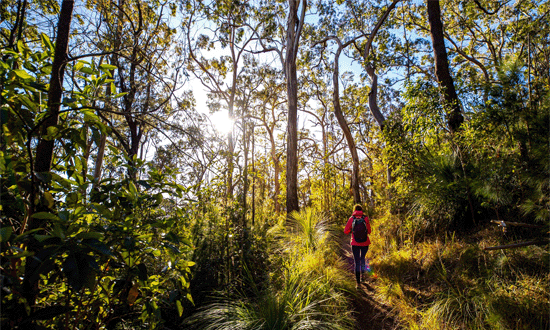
358	286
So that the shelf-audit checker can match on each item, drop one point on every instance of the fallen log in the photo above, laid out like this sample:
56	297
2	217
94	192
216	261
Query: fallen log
516	245
517	224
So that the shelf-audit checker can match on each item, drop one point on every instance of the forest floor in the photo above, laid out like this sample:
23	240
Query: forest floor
369	313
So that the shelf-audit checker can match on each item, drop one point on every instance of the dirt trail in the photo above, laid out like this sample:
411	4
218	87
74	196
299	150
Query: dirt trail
369	313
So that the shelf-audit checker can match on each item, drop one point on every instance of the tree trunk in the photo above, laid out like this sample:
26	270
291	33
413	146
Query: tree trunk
345	128
294	29
99	159
442	72
373	102
253	178
276	183
17	29
44	150
246	144
231	113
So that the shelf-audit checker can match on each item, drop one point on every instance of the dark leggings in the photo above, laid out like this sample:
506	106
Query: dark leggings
359	253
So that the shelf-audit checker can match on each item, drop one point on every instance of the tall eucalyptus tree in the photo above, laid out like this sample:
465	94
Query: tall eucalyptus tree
231	35
295	22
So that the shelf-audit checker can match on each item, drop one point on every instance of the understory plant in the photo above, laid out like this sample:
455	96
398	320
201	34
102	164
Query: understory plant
79	251
305	290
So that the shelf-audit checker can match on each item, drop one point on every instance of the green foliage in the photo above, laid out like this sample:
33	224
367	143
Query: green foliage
298	305
304	290
227	251
509	147
429	175
493	167
75	252
308	228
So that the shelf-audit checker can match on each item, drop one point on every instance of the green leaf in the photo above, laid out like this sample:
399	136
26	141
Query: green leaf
133	189
90	116
97	246
62	181
23	74
107	67
72	198
52	133
22	47
46	41
42	238
180	308
27	102
18	237
48	198
58	232
79	65
64	216
86	70
105	212
79	269
5	233
23	254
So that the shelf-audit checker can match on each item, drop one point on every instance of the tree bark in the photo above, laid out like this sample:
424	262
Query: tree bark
345	128
44	150
17	29
373	103
294	29
454	115
99	159
231	113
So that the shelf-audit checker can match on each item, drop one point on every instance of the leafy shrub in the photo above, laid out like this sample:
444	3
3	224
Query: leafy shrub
77	252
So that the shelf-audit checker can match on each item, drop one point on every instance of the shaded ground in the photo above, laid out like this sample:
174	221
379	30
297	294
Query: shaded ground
369	313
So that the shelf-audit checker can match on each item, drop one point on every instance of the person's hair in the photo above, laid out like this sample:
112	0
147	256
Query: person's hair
358	207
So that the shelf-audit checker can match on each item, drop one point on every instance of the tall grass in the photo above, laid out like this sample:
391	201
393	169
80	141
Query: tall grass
305	289
300	304
452	283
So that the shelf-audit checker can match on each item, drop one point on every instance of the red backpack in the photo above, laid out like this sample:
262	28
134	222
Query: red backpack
359	229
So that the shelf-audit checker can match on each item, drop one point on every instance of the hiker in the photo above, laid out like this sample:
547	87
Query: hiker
358	226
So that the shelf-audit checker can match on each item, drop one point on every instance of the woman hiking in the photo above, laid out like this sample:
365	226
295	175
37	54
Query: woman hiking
358	226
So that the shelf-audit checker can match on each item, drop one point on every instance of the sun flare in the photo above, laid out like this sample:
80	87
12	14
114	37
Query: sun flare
222	123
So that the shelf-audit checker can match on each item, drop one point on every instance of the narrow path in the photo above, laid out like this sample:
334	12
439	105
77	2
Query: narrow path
369	314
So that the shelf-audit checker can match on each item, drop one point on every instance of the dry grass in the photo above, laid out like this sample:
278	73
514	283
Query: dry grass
452	283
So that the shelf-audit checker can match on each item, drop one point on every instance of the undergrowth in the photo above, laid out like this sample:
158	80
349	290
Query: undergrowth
453	283
305	286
